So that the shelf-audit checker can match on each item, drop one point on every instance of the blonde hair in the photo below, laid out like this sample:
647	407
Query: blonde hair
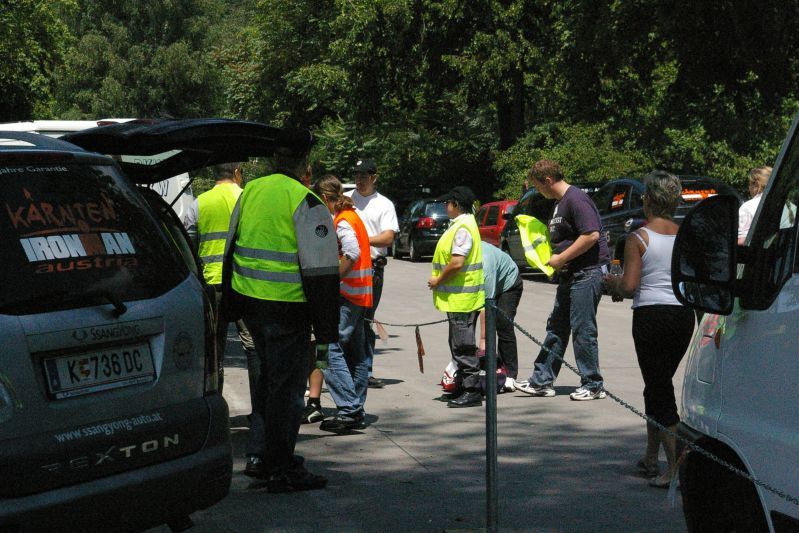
330	186
758	178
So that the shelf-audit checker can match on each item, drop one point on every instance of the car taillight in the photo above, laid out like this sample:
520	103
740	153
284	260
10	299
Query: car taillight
426	223
211	360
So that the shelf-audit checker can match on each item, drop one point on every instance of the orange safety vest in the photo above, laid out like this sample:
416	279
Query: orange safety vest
356	286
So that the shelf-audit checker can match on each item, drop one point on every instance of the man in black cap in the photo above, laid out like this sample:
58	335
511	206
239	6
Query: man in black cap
280	274
380	218
458	289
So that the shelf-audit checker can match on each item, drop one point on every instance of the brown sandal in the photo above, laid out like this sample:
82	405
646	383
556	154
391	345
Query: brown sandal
649	470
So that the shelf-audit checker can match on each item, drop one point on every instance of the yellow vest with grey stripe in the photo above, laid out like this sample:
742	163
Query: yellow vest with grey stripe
462	292
213	213
535	240
265	260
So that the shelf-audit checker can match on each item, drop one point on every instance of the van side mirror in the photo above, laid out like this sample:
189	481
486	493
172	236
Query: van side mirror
703	263
508	215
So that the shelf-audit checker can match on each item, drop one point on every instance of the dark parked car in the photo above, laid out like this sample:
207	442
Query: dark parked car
421	225
534	204
622	211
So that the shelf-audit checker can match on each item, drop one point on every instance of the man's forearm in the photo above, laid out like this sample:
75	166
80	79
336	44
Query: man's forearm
452	268
580	246
382	240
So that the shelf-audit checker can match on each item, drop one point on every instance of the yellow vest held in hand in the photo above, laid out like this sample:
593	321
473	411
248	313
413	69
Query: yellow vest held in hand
463	292
535	240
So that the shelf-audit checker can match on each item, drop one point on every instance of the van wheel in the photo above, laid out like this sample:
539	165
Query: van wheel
413	253
715	499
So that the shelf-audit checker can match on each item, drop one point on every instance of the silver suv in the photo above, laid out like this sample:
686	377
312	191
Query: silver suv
110	414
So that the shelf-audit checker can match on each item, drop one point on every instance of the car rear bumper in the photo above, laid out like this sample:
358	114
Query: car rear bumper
136	499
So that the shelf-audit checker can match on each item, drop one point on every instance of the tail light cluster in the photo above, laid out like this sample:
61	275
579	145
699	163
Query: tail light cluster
426	223
211	359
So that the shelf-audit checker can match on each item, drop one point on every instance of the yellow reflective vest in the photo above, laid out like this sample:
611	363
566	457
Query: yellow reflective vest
464	292
265	260
535	240
214	208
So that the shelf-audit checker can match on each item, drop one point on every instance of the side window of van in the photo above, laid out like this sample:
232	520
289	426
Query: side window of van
493	216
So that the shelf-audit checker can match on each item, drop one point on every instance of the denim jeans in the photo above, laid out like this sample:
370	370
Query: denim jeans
574	312
347	373
283	346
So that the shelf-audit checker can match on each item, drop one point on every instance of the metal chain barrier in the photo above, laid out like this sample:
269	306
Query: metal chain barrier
649	420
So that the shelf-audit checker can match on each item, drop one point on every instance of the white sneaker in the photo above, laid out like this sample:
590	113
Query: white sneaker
545	391
583	394
510	384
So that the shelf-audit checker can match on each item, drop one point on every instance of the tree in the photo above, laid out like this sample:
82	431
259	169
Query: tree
32	42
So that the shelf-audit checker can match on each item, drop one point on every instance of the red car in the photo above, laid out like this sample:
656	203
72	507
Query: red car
491	221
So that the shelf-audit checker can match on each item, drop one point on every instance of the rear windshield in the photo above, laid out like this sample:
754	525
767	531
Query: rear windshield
435	209
76	235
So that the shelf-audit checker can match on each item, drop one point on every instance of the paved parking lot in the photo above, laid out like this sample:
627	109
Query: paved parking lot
419	466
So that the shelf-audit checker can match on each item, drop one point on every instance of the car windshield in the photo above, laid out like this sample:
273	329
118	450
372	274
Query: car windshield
435	209
76	235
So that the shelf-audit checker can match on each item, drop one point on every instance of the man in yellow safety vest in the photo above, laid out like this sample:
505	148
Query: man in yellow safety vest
281	273
457	284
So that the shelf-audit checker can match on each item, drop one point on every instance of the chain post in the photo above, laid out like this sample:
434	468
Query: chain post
491	415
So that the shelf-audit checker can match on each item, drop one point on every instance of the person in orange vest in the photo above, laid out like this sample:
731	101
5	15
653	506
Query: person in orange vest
347	374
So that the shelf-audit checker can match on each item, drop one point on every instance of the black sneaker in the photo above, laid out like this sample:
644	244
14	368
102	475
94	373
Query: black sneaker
341	423
254	466
294	480
312	414
375	383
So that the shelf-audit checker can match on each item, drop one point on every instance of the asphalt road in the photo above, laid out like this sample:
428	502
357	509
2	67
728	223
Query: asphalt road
419	466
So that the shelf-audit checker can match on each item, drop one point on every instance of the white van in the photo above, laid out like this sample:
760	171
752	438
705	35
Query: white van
176	191
740	397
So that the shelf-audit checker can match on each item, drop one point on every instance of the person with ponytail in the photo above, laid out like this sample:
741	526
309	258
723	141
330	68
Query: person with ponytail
347	373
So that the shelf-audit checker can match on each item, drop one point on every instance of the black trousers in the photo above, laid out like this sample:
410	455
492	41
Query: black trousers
377	292
661	334
508	302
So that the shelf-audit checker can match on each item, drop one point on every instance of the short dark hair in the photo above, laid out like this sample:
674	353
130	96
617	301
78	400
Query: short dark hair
225	170
545	168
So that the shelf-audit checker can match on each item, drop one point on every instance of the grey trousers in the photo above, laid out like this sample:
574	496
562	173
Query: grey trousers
463	347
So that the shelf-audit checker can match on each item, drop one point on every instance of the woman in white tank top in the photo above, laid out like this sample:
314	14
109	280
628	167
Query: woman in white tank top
662	327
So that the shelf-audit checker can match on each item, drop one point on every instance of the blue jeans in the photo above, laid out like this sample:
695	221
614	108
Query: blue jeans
347	373
574	312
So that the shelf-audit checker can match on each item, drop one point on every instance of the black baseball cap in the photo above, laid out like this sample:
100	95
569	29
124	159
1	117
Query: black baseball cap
365	165
461	194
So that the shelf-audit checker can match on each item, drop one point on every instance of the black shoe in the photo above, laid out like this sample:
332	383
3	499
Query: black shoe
254	466
342	423
375	383
313	413
470	398
295	479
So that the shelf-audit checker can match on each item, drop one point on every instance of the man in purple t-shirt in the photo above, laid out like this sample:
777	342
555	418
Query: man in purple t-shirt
580	257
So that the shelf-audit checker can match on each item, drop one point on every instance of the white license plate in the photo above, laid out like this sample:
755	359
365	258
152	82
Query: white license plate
120	366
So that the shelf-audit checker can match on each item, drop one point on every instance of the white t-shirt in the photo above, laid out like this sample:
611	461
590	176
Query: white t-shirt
378	215
746	214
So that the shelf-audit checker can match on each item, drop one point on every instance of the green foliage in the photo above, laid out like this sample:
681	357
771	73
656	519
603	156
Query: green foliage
33	39
587	152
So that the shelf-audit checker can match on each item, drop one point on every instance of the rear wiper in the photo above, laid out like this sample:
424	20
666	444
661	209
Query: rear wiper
64	296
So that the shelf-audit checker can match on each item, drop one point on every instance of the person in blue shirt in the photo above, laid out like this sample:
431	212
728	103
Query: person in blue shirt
503	283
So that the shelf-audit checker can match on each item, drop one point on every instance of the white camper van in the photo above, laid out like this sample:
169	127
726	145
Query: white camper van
176	191
740	397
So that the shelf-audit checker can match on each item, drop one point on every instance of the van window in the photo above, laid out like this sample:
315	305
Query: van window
76	235
480	216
